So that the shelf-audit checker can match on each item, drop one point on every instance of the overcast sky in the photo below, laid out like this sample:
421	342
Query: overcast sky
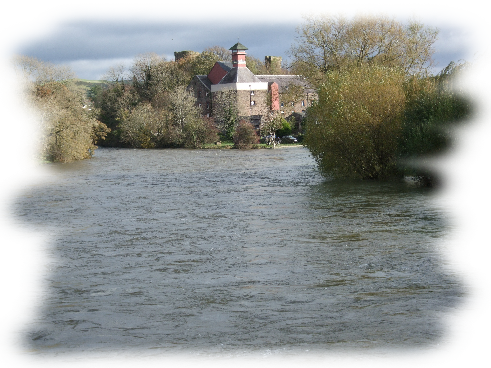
91	36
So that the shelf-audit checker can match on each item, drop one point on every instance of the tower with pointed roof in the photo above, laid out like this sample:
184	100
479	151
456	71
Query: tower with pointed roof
250	92
238	55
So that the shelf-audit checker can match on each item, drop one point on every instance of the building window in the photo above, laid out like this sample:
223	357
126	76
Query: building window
282	104
293	103
303	103
199	105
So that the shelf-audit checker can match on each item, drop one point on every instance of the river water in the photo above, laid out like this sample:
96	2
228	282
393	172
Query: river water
234	252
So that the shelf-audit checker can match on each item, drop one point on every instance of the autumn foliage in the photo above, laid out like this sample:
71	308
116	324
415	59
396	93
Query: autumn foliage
70	131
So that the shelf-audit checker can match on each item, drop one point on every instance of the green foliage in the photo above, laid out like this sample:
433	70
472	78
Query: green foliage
272	124
427	146
226	113
256	66
329	43
199	132
202	64
153	76
154	109
70	131
140	126
176	125
245	136
447	140
353	129
286	128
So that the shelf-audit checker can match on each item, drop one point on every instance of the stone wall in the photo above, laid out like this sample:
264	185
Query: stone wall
259	105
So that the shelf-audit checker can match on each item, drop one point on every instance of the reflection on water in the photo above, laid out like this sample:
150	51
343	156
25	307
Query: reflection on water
227	251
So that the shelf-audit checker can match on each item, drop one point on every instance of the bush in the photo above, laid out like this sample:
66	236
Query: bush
286	128
427	146
245	136
353	129
69	131
199	132
447	127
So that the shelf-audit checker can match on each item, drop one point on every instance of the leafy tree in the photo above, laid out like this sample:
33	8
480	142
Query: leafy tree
286	128
199	132
70	132
446	137
333	43
182	108
255	65
202	64
221	53
292	94
153	76
186	127
272	123
140	127
354	127
37	72
245	136
226	113
433	107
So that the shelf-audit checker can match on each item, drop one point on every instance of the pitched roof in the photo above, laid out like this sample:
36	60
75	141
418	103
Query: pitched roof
204	80
226	65
239	75
238	46
283	81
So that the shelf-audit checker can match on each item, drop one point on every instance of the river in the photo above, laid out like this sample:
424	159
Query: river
234	252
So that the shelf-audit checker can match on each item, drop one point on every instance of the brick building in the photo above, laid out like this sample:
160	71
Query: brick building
256	96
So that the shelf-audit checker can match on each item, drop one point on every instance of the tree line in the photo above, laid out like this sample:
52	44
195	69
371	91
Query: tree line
378	105
149	106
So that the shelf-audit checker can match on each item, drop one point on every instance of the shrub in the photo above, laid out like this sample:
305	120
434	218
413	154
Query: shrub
245	136
353	129
433	107
447	127
286	128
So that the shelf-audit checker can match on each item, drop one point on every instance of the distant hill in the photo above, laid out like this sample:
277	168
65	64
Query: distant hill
85	84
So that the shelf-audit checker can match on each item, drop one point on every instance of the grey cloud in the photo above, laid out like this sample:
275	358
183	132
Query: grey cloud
80	32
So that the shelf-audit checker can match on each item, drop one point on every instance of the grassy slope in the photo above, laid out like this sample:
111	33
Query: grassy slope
85	85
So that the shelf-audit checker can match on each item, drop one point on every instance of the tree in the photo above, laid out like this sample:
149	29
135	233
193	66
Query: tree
226	112
333	43
220	52
37	72
153	76
245	136
255	65
188	128
199	132
286	128
447	126
140	127
272	123
70	132
353	129
202	64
